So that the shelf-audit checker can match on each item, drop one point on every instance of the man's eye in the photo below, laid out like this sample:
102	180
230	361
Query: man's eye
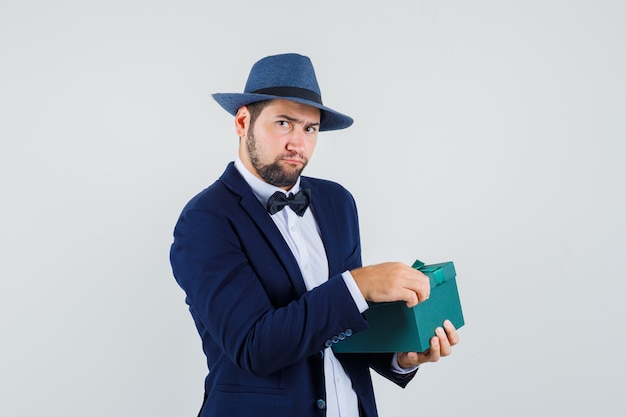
311	129
283	123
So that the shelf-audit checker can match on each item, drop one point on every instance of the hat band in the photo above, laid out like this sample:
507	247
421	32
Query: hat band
291	92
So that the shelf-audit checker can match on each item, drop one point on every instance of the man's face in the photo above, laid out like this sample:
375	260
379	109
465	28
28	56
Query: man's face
280	142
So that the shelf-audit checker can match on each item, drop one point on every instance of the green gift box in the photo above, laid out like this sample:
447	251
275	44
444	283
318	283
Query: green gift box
393	327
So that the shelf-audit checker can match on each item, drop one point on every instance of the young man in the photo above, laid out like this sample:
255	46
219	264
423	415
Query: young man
270	262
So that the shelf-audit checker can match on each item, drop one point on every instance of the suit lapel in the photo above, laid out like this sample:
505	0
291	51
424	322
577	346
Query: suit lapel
251	205
327	221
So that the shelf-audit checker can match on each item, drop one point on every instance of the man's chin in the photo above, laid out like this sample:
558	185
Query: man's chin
283	180
281	173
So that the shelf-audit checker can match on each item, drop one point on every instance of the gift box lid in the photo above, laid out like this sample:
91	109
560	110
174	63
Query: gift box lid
438	273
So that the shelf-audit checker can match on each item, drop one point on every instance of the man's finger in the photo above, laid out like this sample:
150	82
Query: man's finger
435	352
451	332
445	349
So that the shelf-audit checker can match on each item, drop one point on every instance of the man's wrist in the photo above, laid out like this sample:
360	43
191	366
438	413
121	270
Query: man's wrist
395	366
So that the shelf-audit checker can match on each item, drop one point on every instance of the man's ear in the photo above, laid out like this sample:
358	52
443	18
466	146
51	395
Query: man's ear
242	121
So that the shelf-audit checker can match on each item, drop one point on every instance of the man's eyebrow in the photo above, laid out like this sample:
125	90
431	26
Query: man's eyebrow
295	120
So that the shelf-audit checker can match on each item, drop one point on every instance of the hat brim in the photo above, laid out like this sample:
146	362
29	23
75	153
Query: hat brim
329	120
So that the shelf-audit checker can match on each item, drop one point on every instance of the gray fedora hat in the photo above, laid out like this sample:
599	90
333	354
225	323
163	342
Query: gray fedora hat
285	76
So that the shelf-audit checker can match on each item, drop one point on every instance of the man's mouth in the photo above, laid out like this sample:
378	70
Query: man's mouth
293	161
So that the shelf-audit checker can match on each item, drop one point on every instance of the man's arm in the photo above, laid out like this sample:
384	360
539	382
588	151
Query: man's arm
230	301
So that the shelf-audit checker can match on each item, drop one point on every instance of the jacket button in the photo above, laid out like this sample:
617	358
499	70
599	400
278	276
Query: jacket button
335	339
328	343
321	404
342	336
348	332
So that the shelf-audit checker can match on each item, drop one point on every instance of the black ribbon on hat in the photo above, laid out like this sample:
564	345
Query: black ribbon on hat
298	202
291	92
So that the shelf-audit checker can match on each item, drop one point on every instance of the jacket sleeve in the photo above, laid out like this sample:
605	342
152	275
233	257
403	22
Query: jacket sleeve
381	363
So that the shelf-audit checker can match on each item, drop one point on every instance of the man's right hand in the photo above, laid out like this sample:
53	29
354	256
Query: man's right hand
392	281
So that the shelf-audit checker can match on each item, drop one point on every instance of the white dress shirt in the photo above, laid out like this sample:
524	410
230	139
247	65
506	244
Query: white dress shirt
302	235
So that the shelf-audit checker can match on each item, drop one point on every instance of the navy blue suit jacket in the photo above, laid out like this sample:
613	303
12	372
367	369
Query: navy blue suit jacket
263	334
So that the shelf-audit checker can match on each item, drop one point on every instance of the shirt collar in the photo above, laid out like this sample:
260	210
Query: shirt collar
262	190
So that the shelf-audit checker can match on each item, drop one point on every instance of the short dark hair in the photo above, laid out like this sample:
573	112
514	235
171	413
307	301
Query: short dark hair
255	109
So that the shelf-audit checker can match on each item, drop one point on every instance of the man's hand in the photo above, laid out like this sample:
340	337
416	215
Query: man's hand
440	345
392	281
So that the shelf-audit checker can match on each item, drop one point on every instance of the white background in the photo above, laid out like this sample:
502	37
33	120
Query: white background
494	131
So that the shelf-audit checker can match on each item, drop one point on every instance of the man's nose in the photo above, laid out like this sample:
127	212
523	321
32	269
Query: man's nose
296	140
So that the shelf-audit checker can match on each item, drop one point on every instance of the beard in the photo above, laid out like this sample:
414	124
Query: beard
274	173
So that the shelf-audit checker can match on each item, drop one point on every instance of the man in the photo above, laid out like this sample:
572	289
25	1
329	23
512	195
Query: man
271	289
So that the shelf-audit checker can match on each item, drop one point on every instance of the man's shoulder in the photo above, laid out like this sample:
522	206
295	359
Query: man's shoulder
322	185
227	187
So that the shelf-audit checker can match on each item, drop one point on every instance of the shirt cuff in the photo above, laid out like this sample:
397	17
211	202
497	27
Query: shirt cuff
358	298
395	366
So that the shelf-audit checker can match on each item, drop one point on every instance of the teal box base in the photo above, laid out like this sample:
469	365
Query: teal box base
393	327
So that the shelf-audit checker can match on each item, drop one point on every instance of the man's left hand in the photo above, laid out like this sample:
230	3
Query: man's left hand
440	345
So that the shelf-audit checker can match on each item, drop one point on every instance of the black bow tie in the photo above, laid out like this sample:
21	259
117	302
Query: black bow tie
298	202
